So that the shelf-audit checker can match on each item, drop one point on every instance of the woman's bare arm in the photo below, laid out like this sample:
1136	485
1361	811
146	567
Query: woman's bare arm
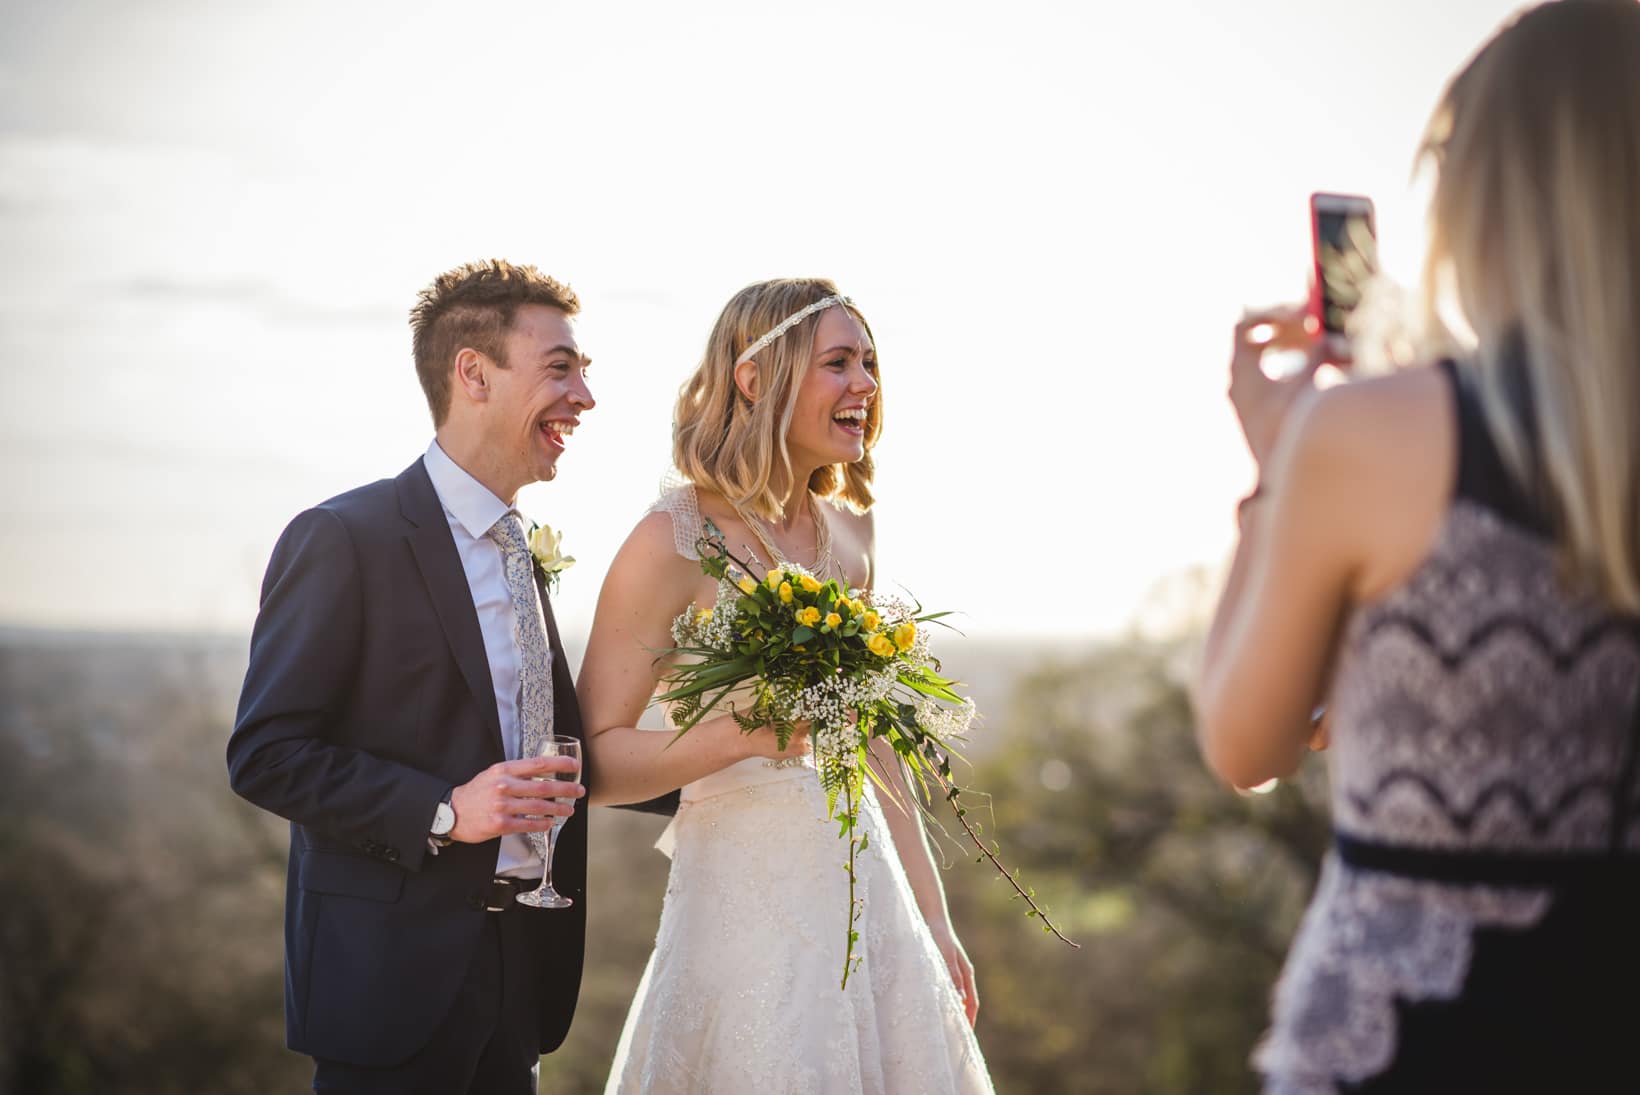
1354	492
648	585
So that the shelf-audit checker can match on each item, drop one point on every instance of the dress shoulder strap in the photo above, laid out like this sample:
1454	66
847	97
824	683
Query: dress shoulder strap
680	502
1483	477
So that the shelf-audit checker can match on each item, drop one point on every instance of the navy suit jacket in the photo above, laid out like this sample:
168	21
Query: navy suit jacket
367	697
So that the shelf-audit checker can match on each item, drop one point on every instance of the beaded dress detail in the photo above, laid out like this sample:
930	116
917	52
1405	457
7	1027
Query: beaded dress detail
741	993
1483	769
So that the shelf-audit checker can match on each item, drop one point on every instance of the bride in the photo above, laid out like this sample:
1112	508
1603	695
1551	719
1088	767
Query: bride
773	434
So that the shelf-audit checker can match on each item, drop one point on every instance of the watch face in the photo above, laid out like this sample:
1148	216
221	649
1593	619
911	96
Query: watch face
444	819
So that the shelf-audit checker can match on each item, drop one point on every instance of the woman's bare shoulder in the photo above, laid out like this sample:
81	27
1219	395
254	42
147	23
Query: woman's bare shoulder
652	547
1422	386
1375	461
1400	421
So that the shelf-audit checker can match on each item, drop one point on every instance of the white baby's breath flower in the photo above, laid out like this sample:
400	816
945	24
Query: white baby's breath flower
943	720
714	627
892	609
837	745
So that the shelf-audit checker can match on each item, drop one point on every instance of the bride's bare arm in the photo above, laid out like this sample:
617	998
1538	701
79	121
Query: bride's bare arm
905	825
648	585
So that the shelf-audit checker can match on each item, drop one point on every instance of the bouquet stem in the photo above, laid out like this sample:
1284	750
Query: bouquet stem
849	960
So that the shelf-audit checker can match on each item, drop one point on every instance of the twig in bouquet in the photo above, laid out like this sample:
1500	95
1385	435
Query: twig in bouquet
953	795
940	768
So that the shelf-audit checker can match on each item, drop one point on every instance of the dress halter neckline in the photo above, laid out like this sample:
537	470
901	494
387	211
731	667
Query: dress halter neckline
824	561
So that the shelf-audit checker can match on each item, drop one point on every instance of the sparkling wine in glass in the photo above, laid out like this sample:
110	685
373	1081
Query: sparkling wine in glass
552	745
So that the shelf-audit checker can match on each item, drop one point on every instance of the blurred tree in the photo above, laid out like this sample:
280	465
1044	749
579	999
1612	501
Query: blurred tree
140	948
1182	892
140	943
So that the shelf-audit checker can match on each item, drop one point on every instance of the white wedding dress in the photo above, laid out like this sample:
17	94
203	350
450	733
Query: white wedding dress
742	991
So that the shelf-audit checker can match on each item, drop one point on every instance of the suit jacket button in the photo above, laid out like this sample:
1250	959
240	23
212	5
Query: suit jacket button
391	854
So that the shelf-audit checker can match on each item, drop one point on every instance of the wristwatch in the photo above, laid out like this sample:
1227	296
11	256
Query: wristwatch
444	821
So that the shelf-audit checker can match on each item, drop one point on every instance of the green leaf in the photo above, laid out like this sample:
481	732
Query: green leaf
801	634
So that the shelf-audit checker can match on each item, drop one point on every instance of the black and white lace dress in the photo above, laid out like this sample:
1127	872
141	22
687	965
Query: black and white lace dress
1477	924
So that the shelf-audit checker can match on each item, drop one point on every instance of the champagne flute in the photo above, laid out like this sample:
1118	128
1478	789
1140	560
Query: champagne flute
552	745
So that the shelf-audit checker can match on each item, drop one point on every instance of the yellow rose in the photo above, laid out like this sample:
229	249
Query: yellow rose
773	578
905	635
880	645
808	617
810	585
833	620
747	586
703	617
870	622
857	606
785	593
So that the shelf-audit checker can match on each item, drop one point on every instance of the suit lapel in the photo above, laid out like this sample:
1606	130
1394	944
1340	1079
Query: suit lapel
440	564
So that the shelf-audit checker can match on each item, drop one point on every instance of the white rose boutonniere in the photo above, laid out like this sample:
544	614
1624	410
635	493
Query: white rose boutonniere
546	548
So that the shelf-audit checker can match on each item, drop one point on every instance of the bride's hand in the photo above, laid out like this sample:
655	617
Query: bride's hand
763	743
962	970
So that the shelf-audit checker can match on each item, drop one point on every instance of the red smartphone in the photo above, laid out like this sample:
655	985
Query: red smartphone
1345	238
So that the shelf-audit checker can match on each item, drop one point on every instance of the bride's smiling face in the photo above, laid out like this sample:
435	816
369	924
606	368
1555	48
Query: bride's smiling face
829	418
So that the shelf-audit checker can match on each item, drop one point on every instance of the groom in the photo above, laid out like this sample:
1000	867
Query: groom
404	635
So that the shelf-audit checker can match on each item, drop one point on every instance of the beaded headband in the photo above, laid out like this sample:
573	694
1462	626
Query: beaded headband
789	322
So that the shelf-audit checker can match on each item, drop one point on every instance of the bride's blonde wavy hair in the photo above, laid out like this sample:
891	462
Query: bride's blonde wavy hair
1535	222
735	446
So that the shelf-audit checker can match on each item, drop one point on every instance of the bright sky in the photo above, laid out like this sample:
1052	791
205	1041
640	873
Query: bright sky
214	217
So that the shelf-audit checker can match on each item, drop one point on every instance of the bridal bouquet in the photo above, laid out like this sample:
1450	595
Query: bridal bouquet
855	665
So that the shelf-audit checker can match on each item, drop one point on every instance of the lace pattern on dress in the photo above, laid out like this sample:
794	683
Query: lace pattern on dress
1368	940
741	995
1476	709
679	501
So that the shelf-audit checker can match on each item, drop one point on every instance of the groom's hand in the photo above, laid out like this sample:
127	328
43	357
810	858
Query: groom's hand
513	797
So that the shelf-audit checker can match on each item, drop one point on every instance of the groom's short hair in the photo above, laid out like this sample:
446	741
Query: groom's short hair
473	306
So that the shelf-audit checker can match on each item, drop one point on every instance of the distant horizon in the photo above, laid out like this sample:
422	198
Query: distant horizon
11	630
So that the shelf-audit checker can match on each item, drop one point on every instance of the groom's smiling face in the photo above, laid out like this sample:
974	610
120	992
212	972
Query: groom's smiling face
537	399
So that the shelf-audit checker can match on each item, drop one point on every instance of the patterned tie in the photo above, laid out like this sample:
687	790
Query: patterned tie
534	655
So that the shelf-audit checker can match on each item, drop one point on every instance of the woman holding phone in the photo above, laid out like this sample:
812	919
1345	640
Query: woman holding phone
1449	557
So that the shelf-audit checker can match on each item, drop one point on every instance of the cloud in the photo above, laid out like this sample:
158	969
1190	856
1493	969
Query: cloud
251	295
71	172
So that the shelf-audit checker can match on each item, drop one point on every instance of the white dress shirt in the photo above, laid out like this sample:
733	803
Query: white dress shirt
472	510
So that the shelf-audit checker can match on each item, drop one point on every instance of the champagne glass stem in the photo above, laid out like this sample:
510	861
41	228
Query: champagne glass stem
552	846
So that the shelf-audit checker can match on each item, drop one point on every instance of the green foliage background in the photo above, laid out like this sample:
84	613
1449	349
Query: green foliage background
140	940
